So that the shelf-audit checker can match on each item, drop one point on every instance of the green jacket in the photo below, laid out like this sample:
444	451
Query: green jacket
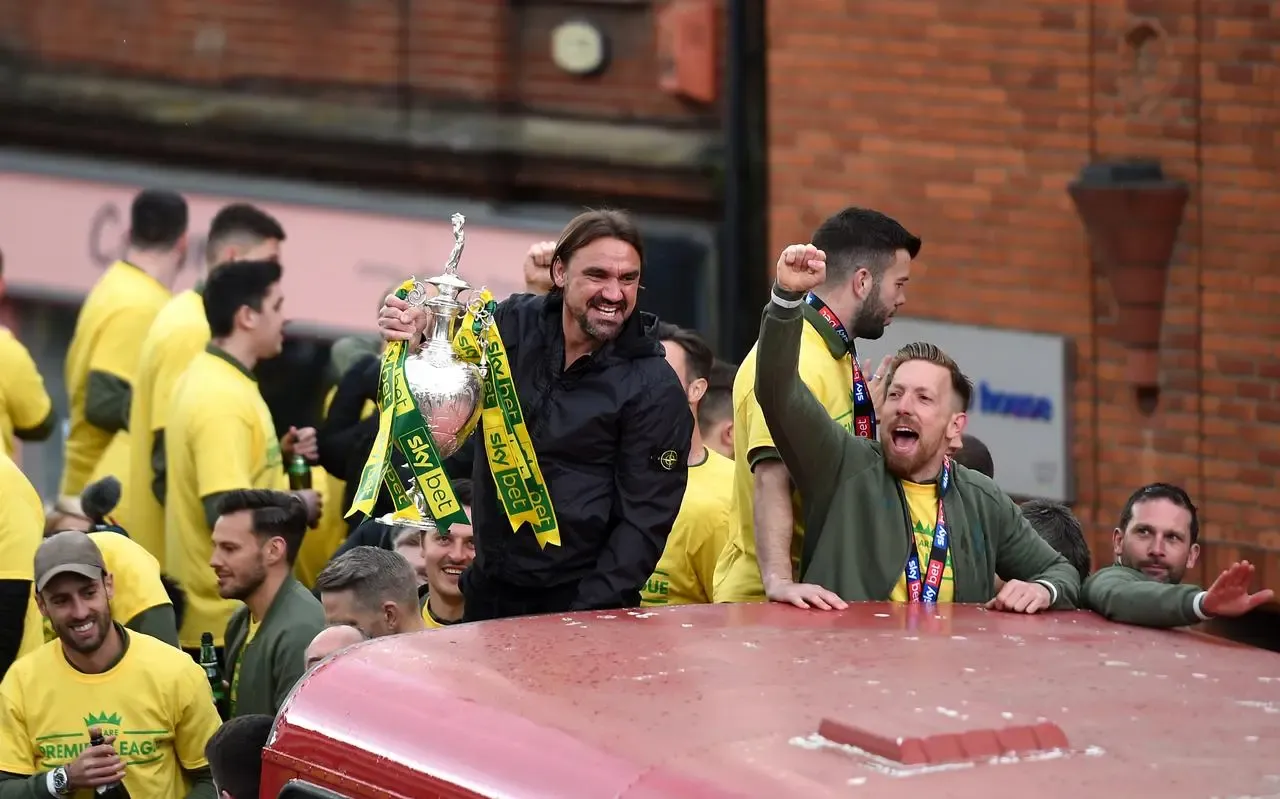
1131	597
276	657
857	524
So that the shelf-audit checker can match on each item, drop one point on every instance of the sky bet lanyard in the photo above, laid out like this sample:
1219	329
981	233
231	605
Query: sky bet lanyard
926	590
864	413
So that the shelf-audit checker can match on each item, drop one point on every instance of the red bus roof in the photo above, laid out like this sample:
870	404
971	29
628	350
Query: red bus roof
714	701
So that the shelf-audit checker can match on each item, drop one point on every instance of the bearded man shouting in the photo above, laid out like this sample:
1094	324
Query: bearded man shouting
897	519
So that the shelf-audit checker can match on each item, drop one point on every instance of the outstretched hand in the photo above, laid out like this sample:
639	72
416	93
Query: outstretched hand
1229	595
801	267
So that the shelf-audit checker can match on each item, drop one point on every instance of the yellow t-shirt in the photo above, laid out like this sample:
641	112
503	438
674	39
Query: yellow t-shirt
156	701
135	578
24	402
21	530
109	332
829	376
318	545
922	502
687	568
219	437
234	692
115	463
179	333
429	620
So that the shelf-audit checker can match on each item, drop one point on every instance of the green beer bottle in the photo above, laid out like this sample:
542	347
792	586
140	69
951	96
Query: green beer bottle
115	790
299	473
209	662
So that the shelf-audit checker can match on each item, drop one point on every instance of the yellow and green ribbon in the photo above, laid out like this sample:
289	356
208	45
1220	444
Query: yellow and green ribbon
400	423
512	461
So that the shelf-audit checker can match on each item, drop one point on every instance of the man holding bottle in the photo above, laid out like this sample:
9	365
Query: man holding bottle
147	701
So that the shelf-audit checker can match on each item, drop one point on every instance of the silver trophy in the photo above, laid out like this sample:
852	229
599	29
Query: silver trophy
446	389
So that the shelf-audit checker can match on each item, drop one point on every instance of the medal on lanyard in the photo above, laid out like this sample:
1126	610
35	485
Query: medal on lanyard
864	412
925	588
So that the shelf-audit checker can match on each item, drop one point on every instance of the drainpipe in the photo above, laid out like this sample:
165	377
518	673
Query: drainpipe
743	261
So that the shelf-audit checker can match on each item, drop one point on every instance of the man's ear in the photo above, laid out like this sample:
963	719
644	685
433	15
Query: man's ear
558	270
109	585
1117	543
697	390
391	612
1193	555
863	283
955	428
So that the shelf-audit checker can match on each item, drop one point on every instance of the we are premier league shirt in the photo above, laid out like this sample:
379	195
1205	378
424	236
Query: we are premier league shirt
155	700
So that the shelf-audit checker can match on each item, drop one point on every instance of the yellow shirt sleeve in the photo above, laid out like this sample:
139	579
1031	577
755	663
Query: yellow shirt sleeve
24	390
173	361
196	719
223	448
758	435
120	343
16	755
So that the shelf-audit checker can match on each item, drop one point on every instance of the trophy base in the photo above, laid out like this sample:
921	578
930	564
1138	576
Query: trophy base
392	520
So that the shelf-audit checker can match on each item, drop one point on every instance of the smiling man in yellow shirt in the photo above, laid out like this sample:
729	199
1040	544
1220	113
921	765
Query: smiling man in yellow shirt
686	571
239	232
220	435
103	357
151	701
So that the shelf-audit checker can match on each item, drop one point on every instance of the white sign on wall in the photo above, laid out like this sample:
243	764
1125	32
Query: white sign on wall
1020	404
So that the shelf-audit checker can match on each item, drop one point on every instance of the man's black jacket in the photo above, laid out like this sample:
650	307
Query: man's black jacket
611	434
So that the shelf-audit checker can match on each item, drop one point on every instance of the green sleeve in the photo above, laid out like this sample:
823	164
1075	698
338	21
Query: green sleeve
1021	554
1128	596
201	784
41	431
20	786
812	444
106	402
159	479
158	622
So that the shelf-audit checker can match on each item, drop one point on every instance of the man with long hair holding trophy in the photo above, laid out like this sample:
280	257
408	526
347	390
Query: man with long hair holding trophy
583	426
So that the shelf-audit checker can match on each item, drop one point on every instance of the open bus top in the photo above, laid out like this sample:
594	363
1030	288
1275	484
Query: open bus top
718	701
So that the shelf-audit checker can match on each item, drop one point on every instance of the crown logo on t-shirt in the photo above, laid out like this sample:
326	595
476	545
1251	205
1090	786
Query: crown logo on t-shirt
102	720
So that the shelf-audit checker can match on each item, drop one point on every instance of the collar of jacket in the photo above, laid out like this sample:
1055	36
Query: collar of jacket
636	339
281	598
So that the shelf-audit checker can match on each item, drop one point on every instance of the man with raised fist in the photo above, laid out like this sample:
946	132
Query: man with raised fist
896	518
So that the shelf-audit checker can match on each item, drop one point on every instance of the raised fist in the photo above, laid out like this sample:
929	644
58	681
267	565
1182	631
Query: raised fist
801	267
537	267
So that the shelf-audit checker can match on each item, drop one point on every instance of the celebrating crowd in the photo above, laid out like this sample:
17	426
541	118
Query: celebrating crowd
155	618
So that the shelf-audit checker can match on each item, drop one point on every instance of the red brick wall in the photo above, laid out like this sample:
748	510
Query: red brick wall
468	50
967	120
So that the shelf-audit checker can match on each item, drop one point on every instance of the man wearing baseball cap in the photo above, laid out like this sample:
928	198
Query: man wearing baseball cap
149	700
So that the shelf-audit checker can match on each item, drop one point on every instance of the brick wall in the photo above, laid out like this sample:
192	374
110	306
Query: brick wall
967	120
464	50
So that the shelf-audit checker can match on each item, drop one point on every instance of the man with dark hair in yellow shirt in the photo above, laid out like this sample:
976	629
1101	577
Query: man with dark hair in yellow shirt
220	436
686	571
715	411
869	259
25	408
239	232
149	701
103	357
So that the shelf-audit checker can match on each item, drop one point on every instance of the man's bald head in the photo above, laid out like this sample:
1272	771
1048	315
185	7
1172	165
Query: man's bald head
330	640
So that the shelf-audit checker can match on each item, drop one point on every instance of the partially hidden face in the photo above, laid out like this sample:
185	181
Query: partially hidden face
920	419
446	556
679	361
78	609
600	282
1157	541
887	295
268	323
345	608
239	557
